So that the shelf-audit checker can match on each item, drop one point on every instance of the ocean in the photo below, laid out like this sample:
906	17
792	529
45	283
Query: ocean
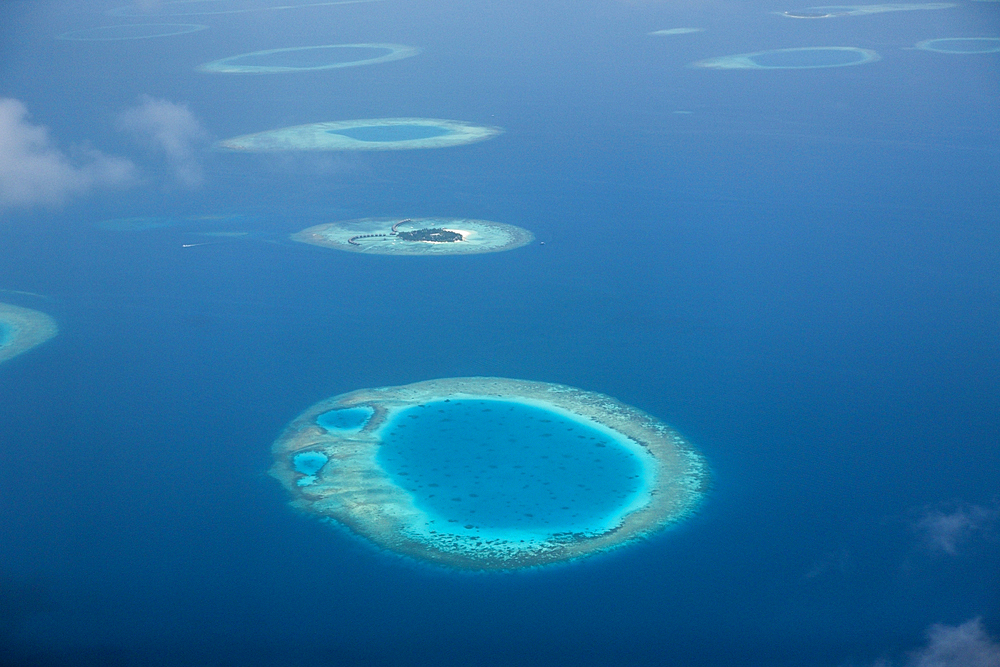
794	268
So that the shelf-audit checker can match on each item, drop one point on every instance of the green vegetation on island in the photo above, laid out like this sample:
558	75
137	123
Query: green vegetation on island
436	235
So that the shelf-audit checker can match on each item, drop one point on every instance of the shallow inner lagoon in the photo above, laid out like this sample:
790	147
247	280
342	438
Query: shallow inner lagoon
506	464
489	473
391	132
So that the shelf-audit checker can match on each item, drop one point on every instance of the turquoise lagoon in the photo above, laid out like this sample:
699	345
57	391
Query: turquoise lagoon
309	463
508	465
345	419
392	132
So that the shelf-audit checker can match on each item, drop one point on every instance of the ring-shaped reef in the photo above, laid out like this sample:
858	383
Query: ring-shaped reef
22	329
372	134
812	57
483	473
832	11
416	236
212	7
961	45
308	58
114	33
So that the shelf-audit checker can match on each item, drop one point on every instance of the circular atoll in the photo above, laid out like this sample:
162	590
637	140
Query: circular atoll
487	473
209	7
419	236
22	329
832	11
113	33
372	134
961	45
309	58
802	58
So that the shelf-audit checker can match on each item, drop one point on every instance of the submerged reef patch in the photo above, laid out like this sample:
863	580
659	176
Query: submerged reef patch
309	58
113	33
675	31
802	58
373	134
833	11
485	473
22	329
961	45
417	236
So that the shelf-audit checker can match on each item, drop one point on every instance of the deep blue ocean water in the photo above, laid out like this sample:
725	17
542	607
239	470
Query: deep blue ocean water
797	269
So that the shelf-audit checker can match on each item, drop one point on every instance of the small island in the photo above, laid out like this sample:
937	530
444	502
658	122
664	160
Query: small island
416	236
432	235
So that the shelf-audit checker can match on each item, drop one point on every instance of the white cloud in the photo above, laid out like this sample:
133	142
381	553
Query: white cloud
173	130
965	645
33	170
947	531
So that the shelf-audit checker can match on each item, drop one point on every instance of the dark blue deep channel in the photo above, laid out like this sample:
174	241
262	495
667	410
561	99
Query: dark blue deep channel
491	464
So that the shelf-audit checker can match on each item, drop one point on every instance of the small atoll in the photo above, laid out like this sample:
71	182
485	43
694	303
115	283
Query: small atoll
834	11
308	58
22	329
371	134
811	57
485	473
416	236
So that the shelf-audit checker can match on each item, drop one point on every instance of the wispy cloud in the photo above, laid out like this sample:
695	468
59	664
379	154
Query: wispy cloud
34	170
173	130
947	531
965	645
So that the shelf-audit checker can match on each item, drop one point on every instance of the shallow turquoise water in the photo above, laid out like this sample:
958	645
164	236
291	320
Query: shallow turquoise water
501	465
309	463
5	334
345	419
392	132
